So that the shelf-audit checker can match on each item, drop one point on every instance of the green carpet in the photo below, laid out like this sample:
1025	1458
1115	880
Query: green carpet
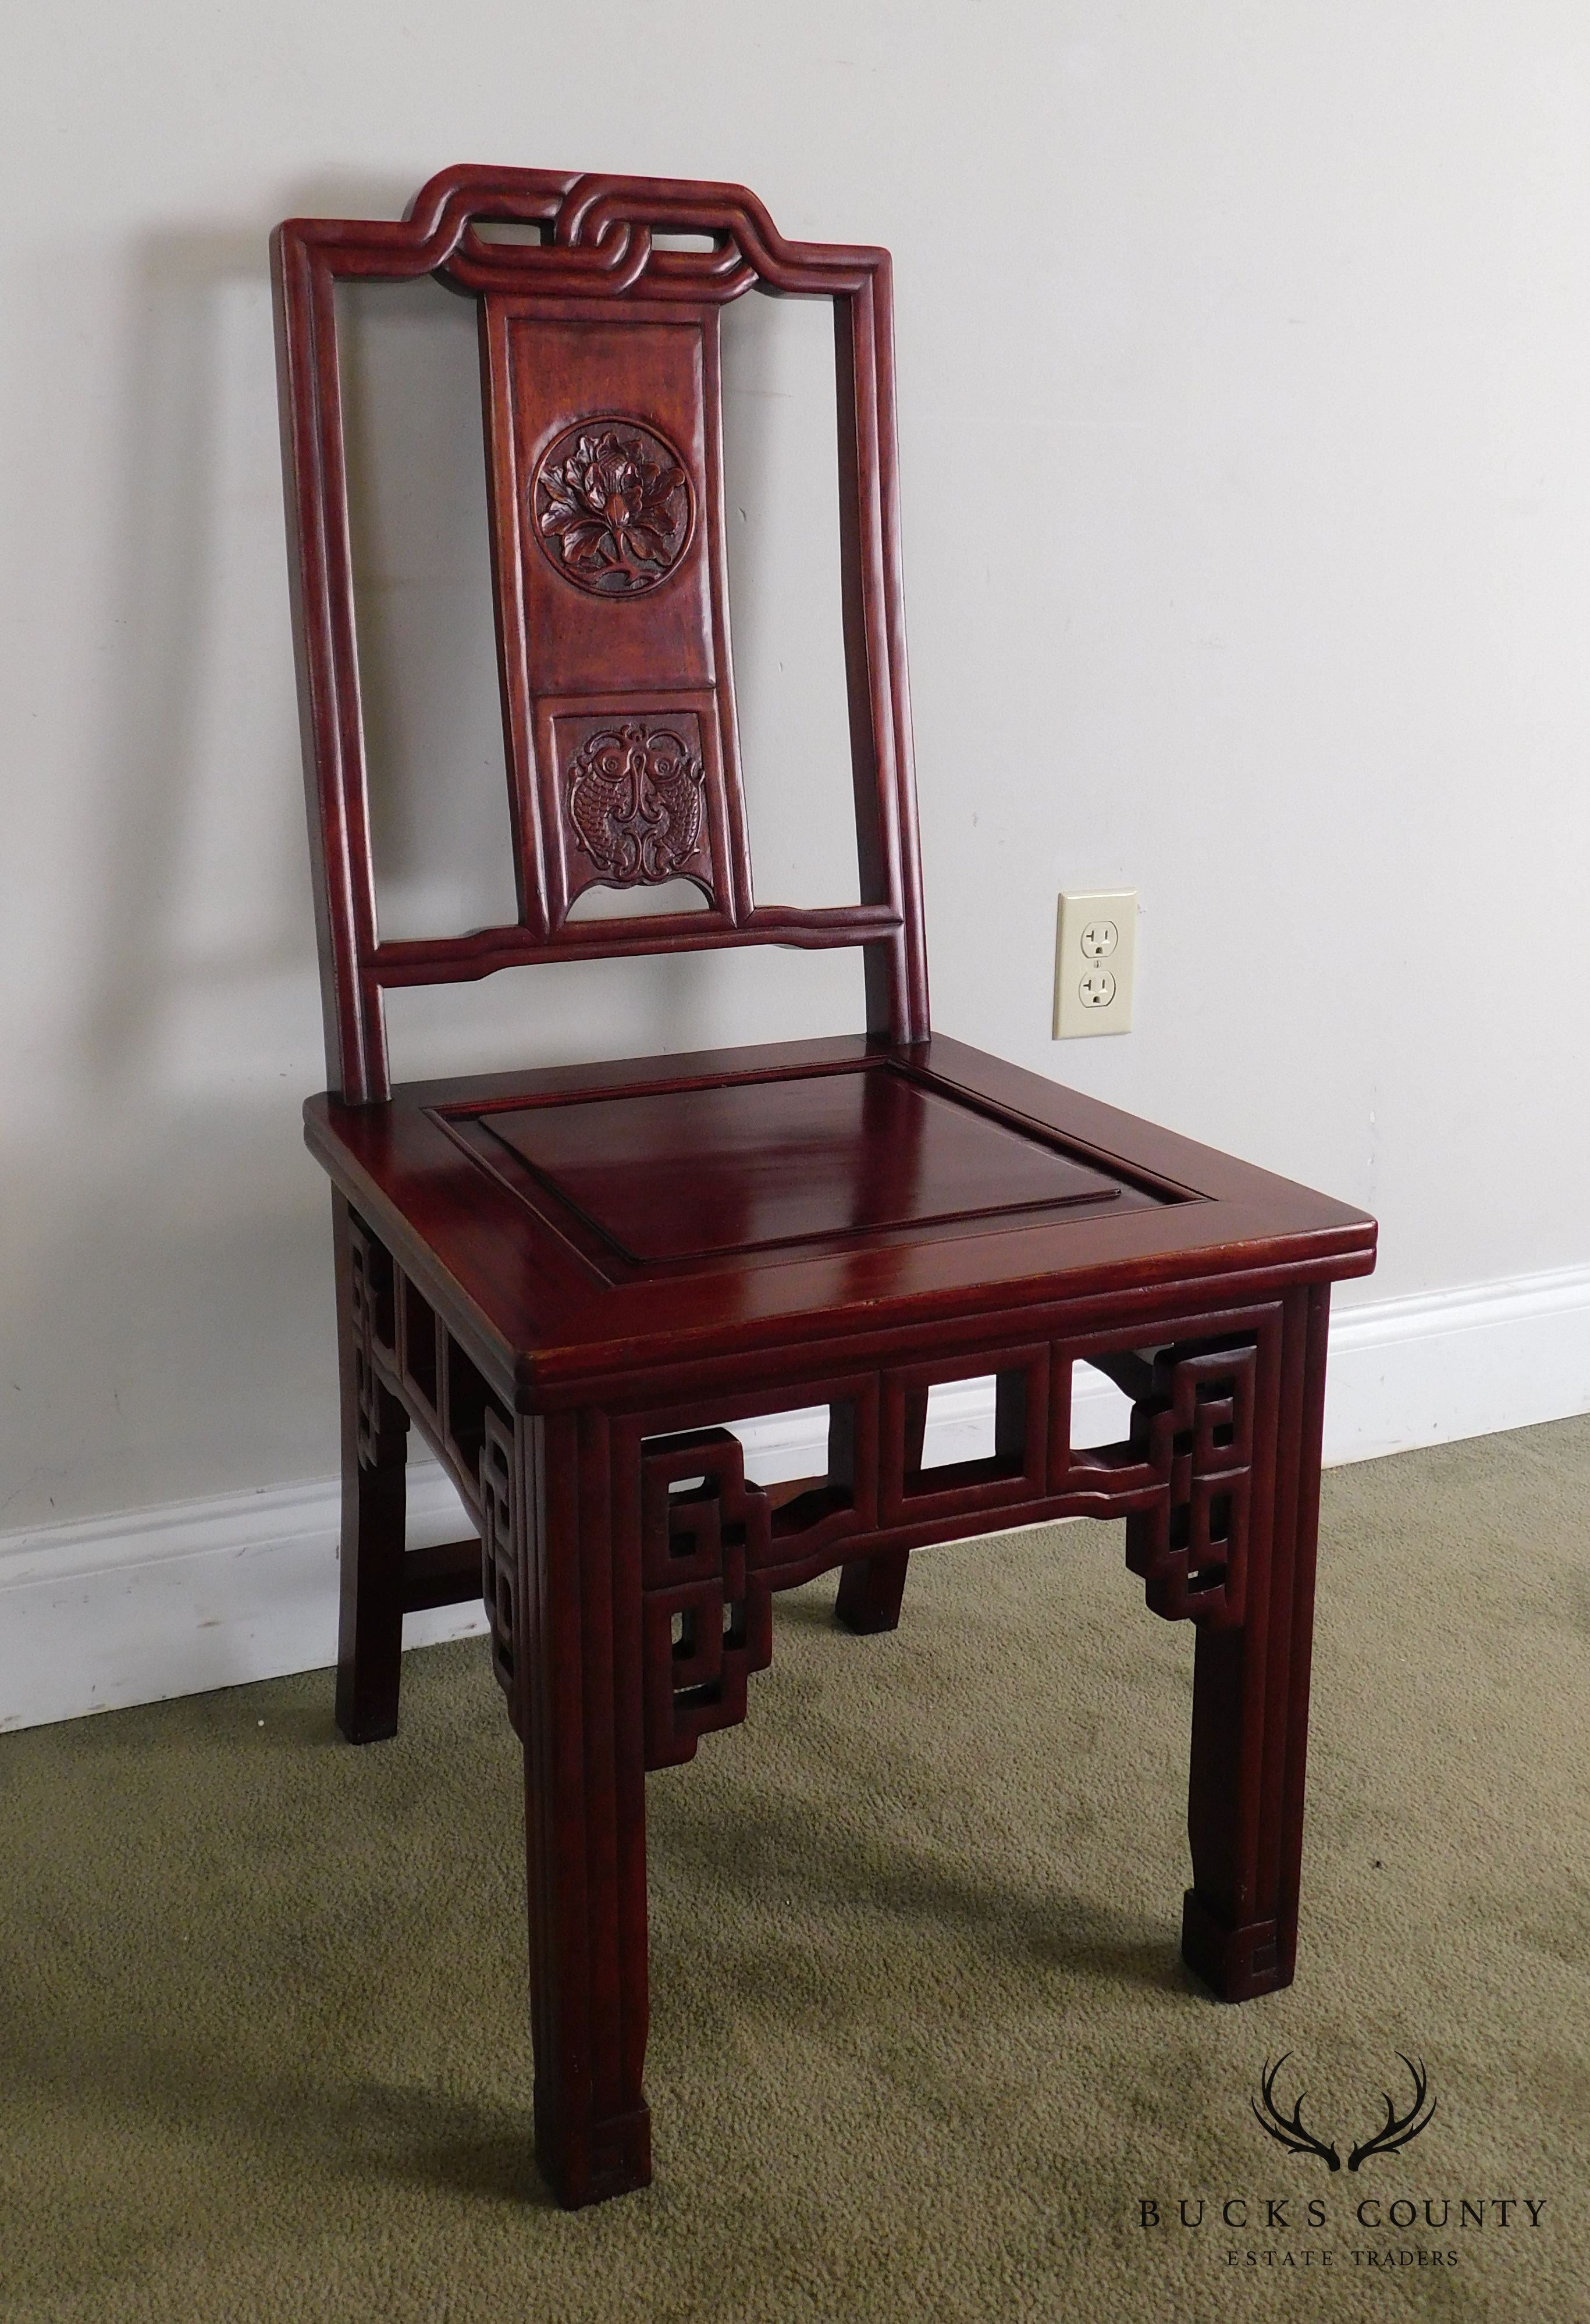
920	2044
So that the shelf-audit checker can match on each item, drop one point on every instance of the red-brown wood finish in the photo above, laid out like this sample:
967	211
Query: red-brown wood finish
573	1283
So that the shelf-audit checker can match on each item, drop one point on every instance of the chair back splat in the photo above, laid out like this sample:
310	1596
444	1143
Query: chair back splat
599	350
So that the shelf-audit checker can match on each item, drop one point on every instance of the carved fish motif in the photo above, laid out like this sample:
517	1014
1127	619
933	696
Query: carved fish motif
634	801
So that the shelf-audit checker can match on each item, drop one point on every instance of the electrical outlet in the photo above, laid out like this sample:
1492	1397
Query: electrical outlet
1095	947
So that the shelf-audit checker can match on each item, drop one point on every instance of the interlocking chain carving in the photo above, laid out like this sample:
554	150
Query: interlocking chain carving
1192	1423
499	1533
706	1609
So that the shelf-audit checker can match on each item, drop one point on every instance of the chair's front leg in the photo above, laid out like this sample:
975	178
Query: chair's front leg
577	1698
374	1450
1250	1703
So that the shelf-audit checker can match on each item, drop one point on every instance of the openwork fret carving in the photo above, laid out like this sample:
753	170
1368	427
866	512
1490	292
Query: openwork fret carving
715	1546
1194	1426
362	1305
499	1569
707	1612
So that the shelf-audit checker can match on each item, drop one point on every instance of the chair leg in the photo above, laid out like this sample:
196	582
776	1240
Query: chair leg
870	1592
374	1431
1250	1728
578	1703
871	1589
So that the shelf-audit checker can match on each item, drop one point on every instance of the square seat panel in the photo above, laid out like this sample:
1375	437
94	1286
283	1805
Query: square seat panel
647	1214
671	1175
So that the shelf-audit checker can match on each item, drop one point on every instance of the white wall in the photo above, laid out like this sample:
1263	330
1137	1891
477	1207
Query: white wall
1243	358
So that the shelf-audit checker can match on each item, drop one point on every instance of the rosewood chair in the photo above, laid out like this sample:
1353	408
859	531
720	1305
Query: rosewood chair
570	1281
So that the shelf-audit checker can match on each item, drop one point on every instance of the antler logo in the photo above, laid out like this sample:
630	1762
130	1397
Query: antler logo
1289	2131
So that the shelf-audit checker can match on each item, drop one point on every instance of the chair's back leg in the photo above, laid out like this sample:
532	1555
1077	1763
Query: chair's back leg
374	1445
870	1592
871	1589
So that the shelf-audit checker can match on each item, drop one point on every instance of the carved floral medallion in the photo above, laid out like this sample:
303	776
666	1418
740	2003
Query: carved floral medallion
613	507
634	801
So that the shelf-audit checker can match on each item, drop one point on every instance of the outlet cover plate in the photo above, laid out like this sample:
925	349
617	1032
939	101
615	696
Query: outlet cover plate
1096	950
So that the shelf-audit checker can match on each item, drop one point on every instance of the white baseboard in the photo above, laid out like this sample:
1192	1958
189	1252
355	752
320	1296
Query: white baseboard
201	1594
1447	1364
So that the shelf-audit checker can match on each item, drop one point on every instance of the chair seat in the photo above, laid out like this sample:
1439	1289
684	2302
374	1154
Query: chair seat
576	1222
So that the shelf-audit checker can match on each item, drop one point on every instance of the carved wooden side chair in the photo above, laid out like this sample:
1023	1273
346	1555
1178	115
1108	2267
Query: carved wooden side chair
570	1281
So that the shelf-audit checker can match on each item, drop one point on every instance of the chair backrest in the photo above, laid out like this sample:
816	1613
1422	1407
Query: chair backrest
601	389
